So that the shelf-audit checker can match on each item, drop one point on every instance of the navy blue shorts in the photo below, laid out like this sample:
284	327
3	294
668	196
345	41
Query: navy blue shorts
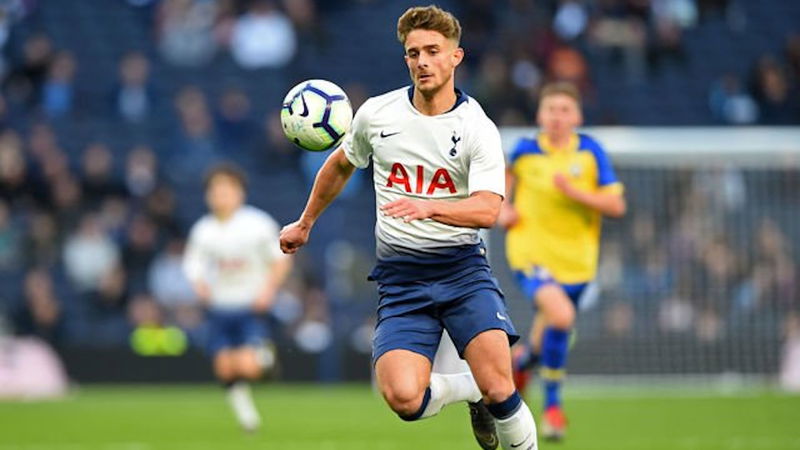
234	329
531	281
412	314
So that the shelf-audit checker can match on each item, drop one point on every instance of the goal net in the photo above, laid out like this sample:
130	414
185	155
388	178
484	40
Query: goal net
701	276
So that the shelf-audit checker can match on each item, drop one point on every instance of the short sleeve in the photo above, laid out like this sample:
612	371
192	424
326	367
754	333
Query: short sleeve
357	147
606	177
487	166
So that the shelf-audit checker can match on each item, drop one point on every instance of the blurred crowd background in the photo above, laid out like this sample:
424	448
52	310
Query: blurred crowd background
111	110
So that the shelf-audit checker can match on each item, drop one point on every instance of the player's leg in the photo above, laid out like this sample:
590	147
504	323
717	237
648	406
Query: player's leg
558	307
489	356
456	371
404	348
482	331
248	332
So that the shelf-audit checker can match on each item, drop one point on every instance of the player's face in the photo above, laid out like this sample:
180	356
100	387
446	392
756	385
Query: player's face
559	115
431	60
224	196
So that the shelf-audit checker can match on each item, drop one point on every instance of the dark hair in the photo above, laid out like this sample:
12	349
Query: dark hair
228	170
561	88
429	17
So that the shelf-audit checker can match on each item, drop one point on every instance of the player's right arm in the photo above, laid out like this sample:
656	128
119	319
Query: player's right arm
194	265
329	182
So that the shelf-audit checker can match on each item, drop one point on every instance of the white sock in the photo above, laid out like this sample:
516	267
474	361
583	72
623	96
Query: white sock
241	401
517	432
448	389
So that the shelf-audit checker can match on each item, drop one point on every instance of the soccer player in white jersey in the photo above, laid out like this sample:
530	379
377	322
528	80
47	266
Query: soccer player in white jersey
439	177
236	267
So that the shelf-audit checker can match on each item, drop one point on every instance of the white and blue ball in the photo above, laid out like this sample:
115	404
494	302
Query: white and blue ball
316	115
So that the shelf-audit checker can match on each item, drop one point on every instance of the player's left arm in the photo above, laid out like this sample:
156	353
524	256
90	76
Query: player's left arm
608	198
276	275
479	210
279	266
607	201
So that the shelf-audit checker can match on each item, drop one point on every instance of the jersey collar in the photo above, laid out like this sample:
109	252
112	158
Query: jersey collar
547	147
461	97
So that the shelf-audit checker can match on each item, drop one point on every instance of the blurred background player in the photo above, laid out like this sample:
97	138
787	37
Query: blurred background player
559	185
236	267
438	171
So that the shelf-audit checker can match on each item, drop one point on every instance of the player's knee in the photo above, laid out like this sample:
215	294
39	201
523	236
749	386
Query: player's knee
404	401
563	319
497	390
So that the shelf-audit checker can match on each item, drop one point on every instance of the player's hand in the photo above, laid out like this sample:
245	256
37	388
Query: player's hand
203	292
408	209
508	216
563	184
294	236
264	301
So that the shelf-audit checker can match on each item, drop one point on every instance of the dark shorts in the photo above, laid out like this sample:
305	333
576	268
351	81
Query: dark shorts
234	329
465	302
531	281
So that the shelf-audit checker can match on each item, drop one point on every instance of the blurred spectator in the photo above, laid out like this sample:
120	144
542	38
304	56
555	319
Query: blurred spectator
772	91
42	240
90	255
171	289
570	20
263	37
567	64
234	123
98	180
160	206
272	151
10	237
792	52
167	280
114	213
59	97
24	82
141	171
66	200
195	147
134	96
185	31
622	33
138	252
41	312
303	14
730	103
17	184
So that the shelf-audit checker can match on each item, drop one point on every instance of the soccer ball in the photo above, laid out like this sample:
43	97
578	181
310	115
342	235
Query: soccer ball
316	115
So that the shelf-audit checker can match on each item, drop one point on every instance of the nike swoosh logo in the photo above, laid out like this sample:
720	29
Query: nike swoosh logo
385	135
500	316
523	441
305	106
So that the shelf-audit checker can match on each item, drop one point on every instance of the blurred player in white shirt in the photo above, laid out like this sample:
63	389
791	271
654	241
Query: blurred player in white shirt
439	176
236	267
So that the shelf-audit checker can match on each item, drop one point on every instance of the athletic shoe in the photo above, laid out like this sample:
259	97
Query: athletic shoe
483	426
554	424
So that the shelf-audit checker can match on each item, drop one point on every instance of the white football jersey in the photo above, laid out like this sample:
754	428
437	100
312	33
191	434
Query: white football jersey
233	257
444	157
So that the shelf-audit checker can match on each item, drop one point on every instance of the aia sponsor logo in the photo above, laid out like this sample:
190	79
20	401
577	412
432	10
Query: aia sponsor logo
416	181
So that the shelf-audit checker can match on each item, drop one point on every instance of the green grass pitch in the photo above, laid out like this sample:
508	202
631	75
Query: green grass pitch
352	417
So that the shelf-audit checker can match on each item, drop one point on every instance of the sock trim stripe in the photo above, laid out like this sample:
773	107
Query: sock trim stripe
548	373
426	398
